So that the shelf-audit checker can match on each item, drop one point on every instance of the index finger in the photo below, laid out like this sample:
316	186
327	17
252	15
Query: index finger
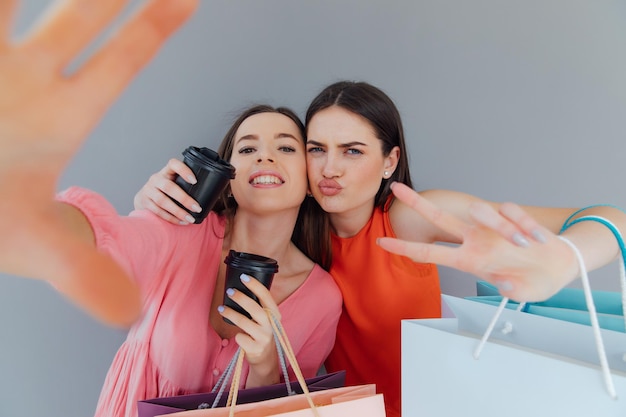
108	72
262	293
7	10
69	25
176	167
432	213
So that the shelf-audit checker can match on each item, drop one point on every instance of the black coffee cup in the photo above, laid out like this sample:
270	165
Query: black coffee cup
257	266
213	175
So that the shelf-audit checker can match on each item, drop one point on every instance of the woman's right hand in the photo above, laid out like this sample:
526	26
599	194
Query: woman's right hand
158	193
257	336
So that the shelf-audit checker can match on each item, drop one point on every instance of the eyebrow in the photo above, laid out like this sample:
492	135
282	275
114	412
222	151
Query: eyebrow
342	145
278	136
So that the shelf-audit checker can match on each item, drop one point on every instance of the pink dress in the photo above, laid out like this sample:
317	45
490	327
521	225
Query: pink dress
172	349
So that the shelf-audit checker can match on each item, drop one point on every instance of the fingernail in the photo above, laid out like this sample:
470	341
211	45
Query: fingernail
504	285
191	180
520	240
190	219
538	236
183	223
230	292
220	309
245	278
196	208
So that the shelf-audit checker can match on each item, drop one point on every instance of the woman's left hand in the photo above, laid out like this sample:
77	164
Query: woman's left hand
46	113
507	248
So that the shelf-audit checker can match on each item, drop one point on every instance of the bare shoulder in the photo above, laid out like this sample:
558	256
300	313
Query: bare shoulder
407	224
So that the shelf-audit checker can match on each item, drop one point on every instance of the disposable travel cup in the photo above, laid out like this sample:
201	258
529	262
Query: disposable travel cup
259	267
213	175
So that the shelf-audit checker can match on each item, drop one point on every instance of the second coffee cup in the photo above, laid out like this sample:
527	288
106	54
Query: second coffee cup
213	175
256	266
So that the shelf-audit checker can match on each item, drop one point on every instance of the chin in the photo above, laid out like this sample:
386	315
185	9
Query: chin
331	204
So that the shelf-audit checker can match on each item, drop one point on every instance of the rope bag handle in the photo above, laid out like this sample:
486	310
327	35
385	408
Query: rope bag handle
593	316
234	369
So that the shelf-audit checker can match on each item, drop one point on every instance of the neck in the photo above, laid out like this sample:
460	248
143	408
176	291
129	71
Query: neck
349	223
267	234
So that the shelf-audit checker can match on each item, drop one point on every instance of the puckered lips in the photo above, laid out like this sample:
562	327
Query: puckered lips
266	179
329	188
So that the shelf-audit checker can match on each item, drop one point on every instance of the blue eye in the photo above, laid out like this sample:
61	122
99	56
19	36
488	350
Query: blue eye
287	149
314	149
354	152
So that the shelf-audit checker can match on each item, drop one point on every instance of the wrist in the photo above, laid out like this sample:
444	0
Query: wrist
262	374
572	266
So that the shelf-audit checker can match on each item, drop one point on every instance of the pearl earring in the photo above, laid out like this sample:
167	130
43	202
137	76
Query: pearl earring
386	174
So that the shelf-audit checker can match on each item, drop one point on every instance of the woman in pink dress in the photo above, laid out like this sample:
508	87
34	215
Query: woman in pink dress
166	282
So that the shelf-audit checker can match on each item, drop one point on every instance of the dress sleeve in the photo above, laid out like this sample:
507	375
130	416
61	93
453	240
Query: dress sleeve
138	242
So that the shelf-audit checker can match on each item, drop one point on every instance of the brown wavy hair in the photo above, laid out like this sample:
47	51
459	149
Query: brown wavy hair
306	234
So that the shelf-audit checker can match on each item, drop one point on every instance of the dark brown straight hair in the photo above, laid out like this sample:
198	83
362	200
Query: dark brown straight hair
373	105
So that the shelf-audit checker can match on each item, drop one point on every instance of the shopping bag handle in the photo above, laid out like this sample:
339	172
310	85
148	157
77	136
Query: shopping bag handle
285	351
222	382
524	307
620	242
606	372
280	333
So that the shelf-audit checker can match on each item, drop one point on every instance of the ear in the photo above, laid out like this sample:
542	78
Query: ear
391	161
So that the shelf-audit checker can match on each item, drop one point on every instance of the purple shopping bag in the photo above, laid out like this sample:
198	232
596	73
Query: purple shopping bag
167	405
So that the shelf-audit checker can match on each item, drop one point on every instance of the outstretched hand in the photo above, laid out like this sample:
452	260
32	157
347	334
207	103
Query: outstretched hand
45	115
507	248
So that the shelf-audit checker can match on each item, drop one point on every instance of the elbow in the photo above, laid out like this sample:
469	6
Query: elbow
122	317
121	309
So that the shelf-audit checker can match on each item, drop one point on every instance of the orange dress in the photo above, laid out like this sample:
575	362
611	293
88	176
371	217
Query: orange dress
379	289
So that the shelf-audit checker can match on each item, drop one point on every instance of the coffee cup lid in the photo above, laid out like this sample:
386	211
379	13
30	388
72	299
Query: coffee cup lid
251	261
210	160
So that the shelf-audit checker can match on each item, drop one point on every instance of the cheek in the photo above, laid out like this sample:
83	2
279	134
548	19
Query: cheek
235	163
311	166
369	175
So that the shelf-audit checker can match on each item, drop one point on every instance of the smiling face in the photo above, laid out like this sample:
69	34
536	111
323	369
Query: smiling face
345	161
269	156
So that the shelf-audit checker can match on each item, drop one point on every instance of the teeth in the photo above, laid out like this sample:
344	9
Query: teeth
266	179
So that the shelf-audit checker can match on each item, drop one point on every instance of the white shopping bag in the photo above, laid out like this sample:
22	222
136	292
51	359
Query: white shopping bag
530	366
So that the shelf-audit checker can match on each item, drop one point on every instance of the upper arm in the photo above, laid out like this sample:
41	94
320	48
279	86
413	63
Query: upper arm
137	242
410	225
76	221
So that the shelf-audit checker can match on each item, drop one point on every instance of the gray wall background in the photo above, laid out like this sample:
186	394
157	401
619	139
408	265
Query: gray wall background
508	100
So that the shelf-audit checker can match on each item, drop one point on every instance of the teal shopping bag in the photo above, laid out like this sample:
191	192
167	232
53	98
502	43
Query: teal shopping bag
568	305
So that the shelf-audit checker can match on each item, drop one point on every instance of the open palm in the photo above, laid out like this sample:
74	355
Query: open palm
532	271
45	115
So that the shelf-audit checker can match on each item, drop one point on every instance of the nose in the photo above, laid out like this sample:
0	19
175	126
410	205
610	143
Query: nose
266	154
331	168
